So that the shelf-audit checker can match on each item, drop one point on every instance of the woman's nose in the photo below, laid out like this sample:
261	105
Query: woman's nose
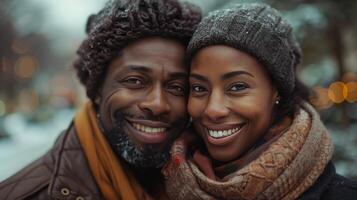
216	108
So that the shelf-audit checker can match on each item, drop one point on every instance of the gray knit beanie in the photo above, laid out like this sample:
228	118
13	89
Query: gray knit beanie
260	31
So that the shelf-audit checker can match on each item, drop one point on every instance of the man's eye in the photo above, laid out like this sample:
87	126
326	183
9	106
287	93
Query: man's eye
133	82
177	90
238	87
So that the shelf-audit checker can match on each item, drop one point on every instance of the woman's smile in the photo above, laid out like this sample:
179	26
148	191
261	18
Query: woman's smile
223	134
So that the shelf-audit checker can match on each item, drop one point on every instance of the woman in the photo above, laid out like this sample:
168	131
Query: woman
260	138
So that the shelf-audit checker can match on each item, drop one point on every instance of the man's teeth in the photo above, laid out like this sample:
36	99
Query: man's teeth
223	133
148	129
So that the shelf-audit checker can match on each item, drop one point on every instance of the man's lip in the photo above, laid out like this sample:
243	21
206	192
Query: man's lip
217	127
150	123
146	138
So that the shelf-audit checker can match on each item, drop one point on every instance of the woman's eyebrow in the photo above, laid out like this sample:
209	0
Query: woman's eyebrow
197	76
235	73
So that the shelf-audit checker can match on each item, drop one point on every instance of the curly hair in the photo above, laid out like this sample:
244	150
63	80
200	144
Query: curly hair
123	21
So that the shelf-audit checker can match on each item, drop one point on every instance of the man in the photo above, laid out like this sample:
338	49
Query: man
132	66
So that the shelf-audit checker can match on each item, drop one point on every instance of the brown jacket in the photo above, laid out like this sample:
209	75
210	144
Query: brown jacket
62	173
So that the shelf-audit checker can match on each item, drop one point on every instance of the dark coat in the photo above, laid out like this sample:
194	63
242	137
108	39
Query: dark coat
62	173
331	186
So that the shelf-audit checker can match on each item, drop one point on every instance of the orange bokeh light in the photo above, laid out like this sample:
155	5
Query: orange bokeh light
337	92
352	92
25	67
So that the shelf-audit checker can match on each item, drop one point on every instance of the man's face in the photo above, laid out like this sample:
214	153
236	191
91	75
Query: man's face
142	103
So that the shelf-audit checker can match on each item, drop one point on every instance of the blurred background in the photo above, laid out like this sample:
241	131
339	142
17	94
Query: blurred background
39	92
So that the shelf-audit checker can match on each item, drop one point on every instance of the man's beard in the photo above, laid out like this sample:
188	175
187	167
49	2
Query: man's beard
123	147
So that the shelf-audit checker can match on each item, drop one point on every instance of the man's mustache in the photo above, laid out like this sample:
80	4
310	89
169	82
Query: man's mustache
119	116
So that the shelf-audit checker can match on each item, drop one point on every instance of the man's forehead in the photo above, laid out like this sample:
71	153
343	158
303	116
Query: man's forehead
152	55
169	71
152	46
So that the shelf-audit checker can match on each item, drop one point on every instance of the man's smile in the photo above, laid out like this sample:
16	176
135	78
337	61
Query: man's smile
148	131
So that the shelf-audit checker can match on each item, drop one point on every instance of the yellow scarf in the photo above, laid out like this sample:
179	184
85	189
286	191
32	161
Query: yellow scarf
113	178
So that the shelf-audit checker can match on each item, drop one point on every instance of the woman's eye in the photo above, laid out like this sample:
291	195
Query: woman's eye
238	87
197	88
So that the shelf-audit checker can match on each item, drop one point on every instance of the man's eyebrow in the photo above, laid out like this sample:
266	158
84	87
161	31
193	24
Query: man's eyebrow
235	73
197	76
139	68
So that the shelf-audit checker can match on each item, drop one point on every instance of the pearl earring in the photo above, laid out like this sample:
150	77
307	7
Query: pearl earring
277	102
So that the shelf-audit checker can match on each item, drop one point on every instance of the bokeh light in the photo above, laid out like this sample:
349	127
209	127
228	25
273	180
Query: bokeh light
25	67
337	92
352	92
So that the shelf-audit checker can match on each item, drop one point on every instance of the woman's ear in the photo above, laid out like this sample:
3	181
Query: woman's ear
276	97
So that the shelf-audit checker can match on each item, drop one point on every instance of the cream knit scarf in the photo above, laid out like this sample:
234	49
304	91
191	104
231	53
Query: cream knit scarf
287	168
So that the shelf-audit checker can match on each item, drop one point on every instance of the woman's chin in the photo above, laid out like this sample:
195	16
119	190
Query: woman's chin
222	154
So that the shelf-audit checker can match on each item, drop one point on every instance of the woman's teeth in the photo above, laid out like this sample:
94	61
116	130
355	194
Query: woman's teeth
148	129
223	133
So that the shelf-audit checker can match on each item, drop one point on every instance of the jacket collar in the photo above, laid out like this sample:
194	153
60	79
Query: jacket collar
71	177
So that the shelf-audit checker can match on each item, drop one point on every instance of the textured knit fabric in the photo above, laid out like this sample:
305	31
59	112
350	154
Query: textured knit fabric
258	30
287	168
113	178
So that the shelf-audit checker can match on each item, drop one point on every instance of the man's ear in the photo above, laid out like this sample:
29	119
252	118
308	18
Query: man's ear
98	99
98	96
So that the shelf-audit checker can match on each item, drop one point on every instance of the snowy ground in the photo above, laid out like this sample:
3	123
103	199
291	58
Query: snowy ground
30	141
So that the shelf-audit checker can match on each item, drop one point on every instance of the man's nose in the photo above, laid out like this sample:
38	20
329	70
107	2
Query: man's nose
156	102
216	108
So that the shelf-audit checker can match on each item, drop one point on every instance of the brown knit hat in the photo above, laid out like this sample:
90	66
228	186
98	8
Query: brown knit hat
257	29
121	22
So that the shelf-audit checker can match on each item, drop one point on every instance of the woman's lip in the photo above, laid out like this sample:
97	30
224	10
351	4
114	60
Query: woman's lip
218	127
224	140
150	123
147	138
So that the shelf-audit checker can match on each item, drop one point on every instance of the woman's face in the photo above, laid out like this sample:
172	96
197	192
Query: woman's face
231	100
